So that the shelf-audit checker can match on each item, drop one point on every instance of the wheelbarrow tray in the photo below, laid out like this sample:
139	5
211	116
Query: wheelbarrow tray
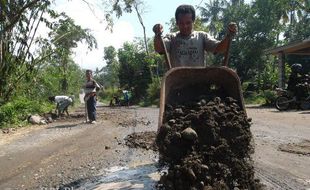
181	84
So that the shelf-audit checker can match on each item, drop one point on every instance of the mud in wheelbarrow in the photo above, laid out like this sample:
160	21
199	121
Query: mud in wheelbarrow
183	84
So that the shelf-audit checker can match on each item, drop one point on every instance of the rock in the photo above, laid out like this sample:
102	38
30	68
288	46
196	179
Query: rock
49	119
179	111
165	128
189	134
36	120
171	121
42	122
190	174
203	102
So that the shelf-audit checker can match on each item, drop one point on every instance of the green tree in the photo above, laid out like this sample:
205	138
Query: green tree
212	13
139	8
118	8
47	80
110	71
134	71
65	36
297	14
19	21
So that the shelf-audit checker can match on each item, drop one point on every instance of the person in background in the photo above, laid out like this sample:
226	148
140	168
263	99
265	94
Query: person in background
126	97
62	104
187	47
298	81
90	89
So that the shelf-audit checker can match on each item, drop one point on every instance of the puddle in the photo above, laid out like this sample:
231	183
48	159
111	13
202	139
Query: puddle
140	177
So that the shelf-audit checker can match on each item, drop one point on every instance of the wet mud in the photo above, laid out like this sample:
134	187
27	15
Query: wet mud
206	144
145	140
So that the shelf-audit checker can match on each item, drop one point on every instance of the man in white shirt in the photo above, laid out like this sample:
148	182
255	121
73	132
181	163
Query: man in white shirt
62	104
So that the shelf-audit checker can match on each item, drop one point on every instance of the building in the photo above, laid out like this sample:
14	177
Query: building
296	48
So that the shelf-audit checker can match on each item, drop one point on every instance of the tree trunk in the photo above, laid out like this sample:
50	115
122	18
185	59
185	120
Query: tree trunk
143	27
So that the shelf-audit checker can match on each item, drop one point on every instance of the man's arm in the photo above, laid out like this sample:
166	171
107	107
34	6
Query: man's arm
56	109
222	46
158	44
97	85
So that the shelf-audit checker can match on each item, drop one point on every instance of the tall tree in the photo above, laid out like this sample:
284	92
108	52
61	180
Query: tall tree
139	9
260	24
212	13
110	71
65	36
134	72
297	14
119	7
18	27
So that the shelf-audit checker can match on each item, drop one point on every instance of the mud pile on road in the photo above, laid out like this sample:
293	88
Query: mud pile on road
145	140
206	144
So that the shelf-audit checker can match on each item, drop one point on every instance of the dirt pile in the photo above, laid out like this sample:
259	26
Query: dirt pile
206	144
302	147
145	140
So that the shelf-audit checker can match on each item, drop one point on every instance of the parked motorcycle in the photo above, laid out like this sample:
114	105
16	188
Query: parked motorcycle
287	100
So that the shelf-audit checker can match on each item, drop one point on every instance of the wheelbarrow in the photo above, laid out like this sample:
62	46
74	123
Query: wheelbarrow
182	84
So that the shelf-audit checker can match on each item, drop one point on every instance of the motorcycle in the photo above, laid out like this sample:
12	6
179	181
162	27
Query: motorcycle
286	100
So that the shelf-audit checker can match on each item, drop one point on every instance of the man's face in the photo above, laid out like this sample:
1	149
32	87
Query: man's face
185	24
88	75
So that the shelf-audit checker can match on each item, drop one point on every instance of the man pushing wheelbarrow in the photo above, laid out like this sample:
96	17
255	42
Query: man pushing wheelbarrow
202	115
184	51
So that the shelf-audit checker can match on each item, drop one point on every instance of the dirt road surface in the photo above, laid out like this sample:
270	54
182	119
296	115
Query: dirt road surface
68	154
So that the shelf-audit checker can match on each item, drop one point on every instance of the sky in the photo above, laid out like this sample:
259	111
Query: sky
125	28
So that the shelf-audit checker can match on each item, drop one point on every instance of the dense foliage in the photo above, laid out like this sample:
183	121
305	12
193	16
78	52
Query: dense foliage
33	67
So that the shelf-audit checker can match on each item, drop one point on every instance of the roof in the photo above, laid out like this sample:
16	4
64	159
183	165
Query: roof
297	48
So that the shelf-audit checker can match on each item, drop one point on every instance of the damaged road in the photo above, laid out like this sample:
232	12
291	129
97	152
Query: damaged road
69	153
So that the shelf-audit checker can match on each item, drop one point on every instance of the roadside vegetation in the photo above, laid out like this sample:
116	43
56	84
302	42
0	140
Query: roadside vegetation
33	67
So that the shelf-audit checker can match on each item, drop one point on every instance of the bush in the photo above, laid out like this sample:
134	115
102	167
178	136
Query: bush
270	97
18	110
107	94
254	98
153	92
264	98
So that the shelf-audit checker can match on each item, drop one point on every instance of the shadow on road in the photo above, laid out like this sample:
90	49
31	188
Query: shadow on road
63	126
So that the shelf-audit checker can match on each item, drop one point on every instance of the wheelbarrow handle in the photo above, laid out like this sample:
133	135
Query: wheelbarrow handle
226	57
167	57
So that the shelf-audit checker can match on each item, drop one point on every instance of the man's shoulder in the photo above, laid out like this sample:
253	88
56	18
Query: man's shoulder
200	34
90	81
171	35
